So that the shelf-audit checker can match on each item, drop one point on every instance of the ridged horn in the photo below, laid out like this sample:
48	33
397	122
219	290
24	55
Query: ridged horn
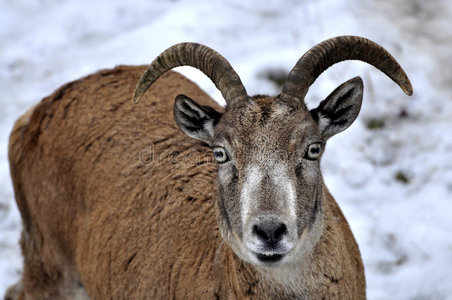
201	57
337	49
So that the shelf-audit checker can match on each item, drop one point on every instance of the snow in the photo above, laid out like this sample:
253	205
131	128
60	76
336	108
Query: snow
393	183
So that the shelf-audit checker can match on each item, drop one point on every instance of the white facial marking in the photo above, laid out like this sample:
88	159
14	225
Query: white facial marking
250	195
285	205
287	195
278	175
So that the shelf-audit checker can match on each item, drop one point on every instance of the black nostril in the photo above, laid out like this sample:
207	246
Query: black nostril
270	232
280	231
262	234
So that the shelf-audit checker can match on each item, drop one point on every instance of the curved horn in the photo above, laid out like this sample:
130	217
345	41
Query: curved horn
334	50
207	60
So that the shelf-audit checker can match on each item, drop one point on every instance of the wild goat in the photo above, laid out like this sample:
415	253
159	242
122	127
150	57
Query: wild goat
118	204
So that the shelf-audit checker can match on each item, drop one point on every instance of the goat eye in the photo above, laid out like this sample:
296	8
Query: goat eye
313	151
220	155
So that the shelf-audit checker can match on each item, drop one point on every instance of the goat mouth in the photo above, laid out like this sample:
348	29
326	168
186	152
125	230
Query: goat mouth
269	257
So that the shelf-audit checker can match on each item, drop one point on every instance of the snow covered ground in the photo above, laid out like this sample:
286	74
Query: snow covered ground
391	172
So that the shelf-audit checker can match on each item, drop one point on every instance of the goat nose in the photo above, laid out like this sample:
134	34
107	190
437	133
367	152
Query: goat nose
270	232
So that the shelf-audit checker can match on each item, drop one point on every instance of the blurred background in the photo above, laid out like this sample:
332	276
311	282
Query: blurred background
391	171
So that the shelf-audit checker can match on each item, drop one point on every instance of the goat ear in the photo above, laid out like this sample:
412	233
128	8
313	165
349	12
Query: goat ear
338	111
195	120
